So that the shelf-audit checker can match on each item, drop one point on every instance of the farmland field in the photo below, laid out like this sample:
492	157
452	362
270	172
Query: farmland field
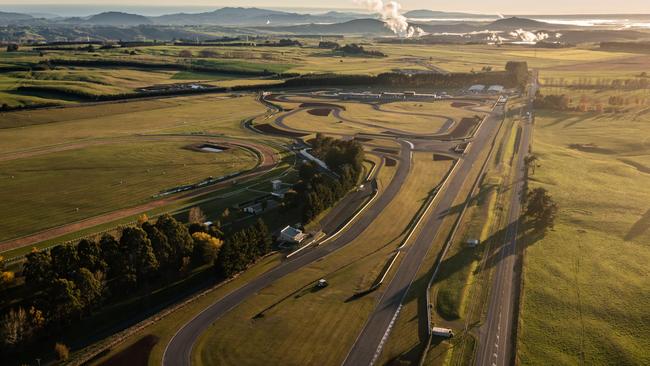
74	184
68	84
104	157
590	272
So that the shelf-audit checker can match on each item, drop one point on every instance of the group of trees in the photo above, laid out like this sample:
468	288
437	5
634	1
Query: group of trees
71	281
509	79
584	103
354	49
518	70
552	102
318	191
242	248
541	210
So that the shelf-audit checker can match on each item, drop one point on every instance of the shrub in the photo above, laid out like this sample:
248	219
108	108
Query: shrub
62	351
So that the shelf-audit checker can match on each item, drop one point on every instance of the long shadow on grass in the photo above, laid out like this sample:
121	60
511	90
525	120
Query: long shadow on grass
639	227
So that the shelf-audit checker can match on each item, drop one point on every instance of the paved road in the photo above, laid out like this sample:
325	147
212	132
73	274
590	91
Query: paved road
179	350
368	345
495	343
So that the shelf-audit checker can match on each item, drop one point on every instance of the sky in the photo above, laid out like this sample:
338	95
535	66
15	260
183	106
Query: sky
476	6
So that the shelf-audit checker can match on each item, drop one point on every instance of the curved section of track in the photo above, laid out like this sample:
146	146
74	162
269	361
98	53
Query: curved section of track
179	349
268	161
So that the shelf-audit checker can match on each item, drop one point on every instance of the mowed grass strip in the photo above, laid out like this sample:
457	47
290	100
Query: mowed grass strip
585	294
61	187
301	326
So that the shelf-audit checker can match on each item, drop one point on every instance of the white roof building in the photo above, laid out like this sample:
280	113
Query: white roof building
496	89
292	235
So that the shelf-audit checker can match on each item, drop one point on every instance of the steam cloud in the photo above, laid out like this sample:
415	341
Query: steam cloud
528	37
392	17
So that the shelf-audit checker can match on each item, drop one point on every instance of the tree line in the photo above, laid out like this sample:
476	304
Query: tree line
318	191
515	76
71	282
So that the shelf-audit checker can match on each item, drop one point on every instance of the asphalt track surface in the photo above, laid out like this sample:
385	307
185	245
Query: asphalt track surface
376	331
388	132
495	335
179	350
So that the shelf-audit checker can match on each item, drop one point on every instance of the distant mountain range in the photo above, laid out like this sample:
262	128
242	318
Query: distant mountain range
255	21
13	18
429	14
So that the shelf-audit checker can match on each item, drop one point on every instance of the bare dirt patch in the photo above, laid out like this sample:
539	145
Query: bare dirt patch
320	112
390	161
270	129
462	104
321	105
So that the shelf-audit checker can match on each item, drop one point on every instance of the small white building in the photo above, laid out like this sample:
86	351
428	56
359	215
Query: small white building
277	185
473	243
476	88
292	235
255	209
442	332
496	89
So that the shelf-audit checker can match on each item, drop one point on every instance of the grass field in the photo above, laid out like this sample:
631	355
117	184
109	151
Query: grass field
83	153
308	59
301	326
88	181
591	271
213	114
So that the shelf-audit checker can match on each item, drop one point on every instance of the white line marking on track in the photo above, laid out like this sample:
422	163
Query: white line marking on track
385	337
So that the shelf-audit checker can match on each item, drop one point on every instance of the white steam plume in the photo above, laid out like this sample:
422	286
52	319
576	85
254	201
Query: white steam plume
392	17
528	37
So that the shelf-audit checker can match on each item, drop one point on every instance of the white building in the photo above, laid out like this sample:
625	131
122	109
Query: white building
496	89
476	88
292	235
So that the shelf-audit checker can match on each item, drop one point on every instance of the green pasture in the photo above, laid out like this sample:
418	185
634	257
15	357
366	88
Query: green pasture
585	292
61	187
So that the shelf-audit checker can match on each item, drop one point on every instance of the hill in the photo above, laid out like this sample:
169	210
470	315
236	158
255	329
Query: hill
13	18
117	19
358	26
251	17
426	14
507	24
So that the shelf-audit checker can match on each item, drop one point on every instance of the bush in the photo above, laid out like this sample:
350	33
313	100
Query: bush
62	351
